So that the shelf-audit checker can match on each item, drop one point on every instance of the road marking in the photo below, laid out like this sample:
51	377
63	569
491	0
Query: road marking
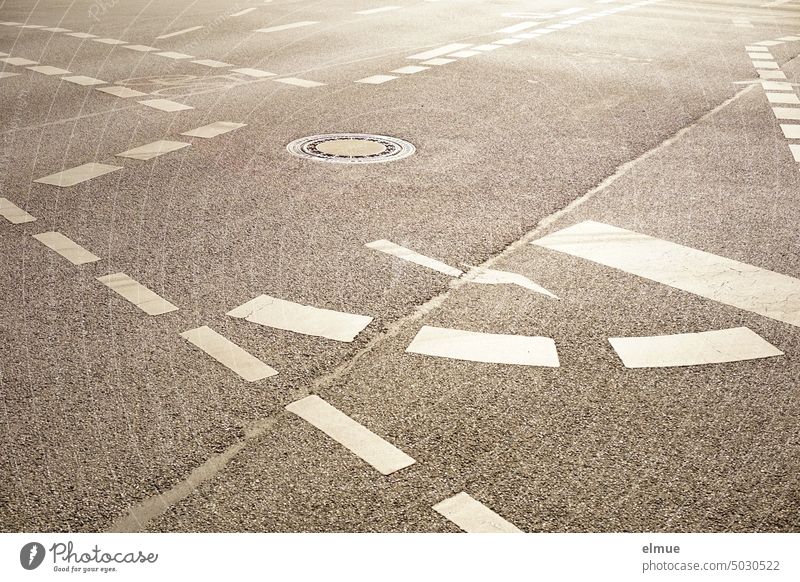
214	129
760	56
795	149
377	10
18	62
464	54
242	12
543	31
174	55
791	130
142	297
485	276
517	27
768	43
83	80
122	92
410	70
56	29
77	174
437	52
693	349
785	98
776	86
560	26
376	79
82	35
287	26
165	105
395	250
179	32
472	516
140	47
506	41
765	65
568	11
212	63
32	26
4	75
48	70
298	82
66	247
488	348
775	3
355	437
257	73
486	47
109	41
438	61
789	38
290	316
229	354
756	48
771	74
724	280
786	112
153	150
13	213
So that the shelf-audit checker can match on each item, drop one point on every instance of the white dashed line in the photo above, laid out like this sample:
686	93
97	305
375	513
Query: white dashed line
174	55
487	348
438	62
18	62
66	247
376	79
82	35
765	65
13	213
485	276
5	75
568	11
140	48
768	43
795	149
464	54
47	70
784	98
776	86
179	32
786	112
56	29
790	130
377	10
756	49
771	74
507	41
242	12
153	150
355	437
229	354
257	73
486	47
517	27
77	175
729	282
443	50
113	41
142	297
287	26
410	70
212	63
122	92
290	316
165	105
472	516
83	80
395	250
693	349
298	82
214	129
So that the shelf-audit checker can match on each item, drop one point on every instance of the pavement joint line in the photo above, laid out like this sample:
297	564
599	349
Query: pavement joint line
66	247
472	516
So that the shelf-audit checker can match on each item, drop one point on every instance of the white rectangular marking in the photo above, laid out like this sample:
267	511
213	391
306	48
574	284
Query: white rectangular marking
438	61
472	516
791	130
122	92
140	48
298	82
567	11
771	74
786	112
257	73
788	98
229	354
48	70
376	79
82	35
768	43
464	54
395	250
83	80
4	74
165	105
66	247
488	348
174	55
437	52
56	29
242	12
789	38
355	437
377	10
109	41
765	65
154	149
795	149
32	26
211	63
517	27
485	276
18	62
142	297
13	213
77	175
179	32
761	56
486	47
410	70
287	26
214	129
776	86
729	282
507	41
756	48
290	316
693	349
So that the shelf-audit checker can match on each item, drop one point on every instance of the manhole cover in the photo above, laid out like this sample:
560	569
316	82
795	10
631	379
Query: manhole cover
351	148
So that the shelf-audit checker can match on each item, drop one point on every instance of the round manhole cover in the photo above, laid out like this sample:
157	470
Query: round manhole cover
351	148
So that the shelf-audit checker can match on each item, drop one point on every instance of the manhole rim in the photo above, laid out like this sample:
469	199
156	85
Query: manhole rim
396	148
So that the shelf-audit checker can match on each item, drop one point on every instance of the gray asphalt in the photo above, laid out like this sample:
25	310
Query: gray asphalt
105	407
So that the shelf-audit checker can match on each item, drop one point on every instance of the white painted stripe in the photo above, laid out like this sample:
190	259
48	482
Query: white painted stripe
543	30
211	63
142	297
214	129
795	149
485	347
174	55
729	282
517	27
83	80
756	48
77	175
257	73
66	247
486	47
18	62
287	26
791	130
153	150
361	441
376	79
760	56
693	349
13	213
442	50
109	41
765	64
771	74
789	38
165	105
377	10
242	12
560	26
298	82
140	48
768	43
786	112
290	316
82	35
32	26
567	11
506	41
464	54
491	277
48	70
179	32
122	92
390	248
472	516
56	29
438	62
229	354
5	75
787	98
410	70
776	86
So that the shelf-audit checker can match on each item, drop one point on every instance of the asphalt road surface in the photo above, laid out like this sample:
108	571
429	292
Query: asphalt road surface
584	314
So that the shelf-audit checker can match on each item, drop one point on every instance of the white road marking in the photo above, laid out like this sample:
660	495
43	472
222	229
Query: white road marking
437	52
153	150
165	105
179	32
140	47
32	26
18	62
791	130
77	175
287	26
377	10
543	31
376	79
756	48
693	349
464	54
355	437
765	64
492	277
729	282
517	27
789	38
211	63
560	26
228	354
82	35
174	55
214	129
506	41
795	149
486	47
438	61
109	41
786	112
790	98
66	247
472	516
257	73
771	74
776	86
298	82
760	56
4	75
142	297
13	213
568	11
290	316
395	250
48	70
410	70
56	29
768	43
488	348
83	80
242	12
775	3
122	92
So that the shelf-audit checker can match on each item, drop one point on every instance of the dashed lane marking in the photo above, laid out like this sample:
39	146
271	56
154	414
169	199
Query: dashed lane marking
377	10
179	32
765	64
256	73
437	52
13	213
214	129
507	41
756	49
242	12
174	55
568	11
409	70
763	74
768	43
395	250
304	319
228	354
165	105
212	63
472	516
464	54
693	349
142	297
122	92
56	29
517	27
298	82
795	149
287	26
83	80
724	280
78	174
5	75
48	70
18	62
776	86
66	247
82	35
112	41
355	437
786	112
438	61
376	79
140	48
153	150
784	98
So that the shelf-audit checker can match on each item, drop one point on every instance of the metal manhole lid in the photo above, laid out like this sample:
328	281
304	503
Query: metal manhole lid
350	148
